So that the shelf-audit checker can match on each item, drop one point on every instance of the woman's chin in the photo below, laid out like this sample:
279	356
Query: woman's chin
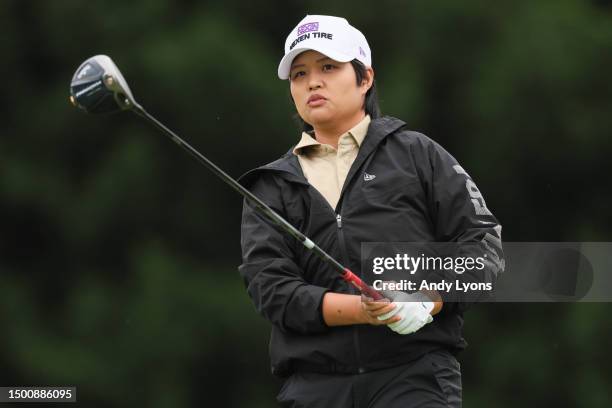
317	119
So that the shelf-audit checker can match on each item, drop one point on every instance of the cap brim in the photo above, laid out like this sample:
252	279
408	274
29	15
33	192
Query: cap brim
285	65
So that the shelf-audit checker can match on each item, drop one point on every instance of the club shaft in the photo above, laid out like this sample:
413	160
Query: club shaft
346	273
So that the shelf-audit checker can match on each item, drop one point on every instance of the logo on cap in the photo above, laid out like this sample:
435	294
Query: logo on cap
362	52
308	27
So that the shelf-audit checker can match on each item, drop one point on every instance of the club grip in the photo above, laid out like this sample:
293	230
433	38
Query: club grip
356	281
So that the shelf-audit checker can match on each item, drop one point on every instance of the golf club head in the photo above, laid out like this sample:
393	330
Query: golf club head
98	87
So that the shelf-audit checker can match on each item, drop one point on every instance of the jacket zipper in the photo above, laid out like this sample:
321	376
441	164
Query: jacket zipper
344	254
360	368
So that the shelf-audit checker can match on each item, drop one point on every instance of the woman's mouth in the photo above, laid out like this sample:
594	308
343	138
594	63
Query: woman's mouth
316	100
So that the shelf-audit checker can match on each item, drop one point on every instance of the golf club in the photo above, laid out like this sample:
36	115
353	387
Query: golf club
98	87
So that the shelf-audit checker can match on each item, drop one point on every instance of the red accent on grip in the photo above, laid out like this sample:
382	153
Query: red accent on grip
356	281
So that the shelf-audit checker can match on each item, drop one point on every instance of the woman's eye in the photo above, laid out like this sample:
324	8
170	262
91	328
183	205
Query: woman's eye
328	67
297	74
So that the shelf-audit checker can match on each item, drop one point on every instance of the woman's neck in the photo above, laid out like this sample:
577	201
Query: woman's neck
330	134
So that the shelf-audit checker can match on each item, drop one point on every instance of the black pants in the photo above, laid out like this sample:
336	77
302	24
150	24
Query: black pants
433	380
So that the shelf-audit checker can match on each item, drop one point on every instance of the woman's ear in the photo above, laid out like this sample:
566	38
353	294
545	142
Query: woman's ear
368	79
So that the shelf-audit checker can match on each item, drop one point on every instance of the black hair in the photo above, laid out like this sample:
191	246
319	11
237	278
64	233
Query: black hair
370	103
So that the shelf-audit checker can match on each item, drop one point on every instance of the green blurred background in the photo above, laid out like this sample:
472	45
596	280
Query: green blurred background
118	252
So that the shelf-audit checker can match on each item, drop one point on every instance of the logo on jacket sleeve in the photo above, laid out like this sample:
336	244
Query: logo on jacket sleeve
480	207
368	177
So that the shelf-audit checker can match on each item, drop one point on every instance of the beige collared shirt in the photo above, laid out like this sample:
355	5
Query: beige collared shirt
326	168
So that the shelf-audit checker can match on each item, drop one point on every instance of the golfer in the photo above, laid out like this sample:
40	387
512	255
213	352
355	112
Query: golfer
356	177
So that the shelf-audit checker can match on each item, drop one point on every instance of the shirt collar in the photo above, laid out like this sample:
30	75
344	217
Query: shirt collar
358	133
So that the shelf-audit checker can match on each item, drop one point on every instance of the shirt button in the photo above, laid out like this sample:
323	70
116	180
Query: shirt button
361	370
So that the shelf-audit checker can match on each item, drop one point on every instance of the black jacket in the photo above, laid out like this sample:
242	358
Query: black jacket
419	194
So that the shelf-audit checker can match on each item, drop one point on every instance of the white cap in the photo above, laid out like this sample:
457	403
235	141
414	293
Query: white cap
331	36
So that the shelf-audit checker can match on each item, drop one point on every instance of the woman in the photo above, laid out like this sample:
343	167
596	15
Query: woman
339	186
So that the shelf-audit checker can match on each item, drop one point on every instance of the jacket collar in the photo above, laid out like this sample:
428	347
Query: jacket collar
357	134
289	165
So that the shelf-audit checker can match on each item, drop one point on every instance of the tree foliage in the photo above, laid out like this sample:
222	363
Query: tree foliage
118	252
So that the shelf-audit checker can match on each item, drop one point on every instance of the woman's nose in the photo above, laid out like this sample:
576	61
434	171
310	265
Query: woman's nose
314	82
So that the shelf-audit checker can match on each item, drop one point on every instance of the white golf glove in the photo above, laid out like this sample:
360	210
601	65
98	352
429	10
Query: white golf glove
414	308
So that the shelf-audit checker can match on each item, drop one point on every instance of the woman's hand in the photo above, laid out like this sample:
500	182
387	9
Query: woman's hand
372	309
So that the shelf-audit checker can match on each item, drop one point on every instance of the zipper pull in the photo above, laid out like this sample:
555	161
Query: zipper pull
339	220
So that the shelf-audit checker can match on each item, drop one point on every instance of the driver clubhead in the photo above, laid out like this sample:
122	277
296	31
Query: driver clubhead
97	86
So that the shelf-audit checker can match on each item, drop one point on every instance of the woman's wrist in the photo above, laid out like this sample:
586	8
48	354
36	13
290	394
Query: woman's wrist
341	309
